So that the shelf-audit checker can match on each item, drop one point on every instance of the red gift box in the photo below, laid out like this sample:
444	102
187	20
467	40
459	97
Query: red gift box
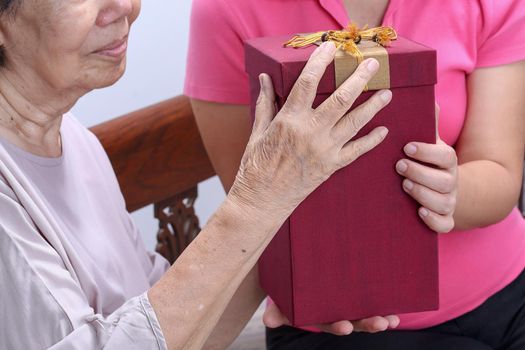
356	247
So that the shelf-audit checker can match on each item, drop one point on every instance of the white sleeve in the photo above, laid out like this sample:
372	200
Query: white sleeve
42	306
133	326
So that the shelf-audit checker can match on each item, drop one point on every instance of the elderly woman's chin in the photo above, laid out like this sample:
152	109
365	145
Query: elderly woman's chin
111	62
105	74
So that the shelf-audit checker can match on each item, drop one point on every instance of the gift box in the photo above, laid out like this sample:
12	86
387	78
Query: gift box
356	247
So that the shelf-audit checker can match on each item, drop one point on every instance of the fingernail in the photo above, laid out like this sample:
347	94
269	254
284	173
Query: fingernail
386	95
347	330
401	166
261	80
383	132
372	65
382	325
423	212
328	46
410	149
408	185
395	324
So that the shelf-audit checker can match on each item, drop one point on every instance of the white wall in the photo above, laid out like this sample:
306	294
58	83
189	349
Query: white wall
156	65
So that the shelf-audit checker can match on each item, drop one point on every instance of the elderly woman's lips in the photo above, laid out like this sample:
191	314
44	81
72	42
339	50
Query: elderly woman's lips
115	49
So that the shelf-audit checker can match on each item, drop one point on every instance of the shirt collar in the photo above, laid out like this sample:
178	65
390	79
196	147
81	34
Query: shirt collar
337	10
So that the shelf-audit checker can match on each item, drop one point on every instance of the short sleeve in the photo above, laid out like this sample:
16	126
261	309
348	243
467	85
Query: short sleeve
502	38
215	65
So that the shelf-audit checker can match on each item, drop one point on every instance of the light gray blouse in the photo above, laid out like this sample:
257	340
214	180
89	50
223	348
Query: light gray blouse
73	268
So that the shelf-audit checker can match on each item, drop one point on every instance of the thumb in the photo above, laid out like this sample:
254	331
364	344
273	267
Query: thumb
273	317
265	108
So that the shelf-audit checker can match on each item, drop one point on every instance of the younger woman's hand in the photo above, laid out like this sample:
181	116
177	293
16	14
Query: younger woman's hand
273	318
431	178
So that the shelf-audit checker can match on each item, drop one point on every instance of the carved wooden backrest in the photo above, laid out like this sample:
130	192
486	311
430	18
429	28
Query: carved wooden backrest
159	159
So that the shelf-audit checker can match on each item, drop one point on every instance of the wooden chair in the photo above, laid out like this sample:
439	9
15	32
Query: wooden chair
159	159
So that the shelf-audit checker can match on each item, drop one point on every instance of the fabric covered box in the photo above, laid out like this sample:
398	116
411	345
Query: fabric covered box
356	247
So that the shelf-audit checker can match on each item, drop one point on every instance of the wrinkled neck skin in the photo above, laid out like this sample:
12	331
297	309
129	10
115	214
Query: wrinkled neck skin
31	113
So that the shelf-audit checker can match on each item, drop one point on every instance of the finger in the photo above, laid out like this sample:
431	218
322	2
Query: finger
436	222
273	317
351	123
440	155
435	179
337	328
344	97
371	325
355	149
393	321
305	88
265	109
443	204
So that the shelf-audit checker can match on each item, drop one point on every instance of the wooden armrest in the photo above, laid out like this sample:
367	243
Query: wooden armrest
157	152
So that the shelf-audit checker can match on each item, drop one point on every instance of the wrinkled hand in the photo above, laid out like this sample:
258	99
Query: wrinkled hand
291	153
432	180
273	318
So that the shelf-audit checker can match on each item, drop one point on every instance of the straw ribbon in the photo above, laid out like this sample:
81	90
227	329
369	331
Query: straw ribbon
347	39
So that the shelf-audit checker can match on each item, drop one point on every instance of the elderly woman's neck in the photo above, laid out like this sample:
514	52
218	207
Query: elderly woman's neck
31	120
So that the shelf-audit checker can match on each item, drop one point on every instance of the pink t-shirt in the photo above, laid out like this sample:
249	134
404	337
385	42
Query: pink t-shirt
467	34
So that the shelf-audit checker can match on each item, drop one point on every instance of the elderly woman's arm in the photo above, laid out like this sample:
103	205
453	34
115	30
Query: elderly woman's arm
225	149
284	161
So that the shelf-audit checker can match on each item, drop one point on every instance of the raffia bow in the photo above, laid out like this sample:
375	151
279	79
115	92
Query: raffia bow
347	39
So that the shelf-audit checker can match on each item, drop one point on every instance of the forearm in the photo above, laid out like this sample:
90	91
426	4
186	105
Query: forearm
225	150
194	293
289	155
241	308
490	148
487	192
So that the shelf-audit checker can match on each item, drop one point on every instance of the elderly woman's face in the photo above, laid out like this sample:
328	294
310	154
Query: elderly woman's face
69	43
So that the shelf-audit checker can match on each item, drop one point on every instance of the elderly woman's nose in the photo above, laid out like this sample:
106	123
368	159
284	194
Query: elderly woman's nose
113	11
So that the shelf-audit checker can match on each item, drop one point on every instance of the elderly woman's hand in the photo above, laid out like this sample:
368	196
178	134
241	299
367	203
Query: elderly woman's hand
432	180
293	152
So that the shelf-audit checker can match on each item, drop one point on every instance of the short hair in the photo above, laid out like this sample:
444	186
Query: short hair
6	7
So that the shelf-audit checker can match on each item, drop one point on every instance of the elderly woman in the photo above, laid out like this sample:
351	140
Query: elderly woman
73	269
